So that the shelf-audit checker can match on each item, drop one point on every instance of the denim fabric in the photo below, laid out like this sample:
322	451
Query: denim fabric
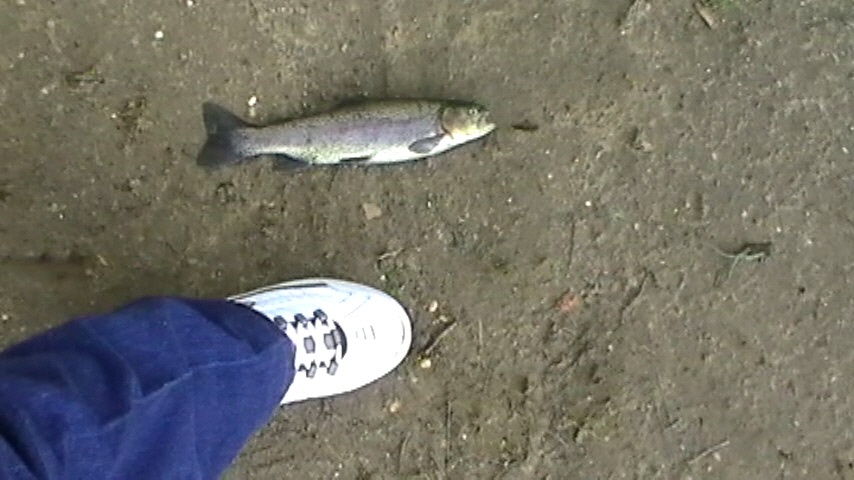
162	388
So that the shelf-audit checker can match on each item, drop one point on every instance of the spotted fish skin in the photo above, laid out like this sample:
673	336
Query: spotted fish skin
370	132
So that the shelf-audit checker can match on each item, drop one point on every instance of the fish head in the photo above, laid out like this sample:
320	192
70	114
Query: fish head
466	121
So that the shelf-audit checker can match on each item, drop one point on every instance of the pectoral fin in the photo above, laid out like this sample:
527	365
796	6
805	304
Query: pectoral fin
426	145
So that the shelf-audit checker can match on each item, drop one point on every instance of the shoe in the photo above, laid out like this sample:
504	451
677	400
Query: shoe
346	335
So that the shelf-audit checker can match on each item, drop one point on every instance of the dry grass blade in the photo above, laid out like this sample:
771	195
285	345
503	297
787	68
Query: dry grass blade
706	14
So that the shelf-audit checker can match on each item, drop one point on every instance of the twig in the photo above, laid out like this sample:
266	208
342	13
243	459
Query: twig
525	126
708	451
389	254
435	341
480	340
634	293
560	440
675	298
447	436
747	253
571	244
673	424
400	453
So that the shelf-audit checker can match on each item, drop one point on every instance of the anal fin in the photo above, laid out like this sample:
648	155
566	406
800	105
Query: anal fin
355	160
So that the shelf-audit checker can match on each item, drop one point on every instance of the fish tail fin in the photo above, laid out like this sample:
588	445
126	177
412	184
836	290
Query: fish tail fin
226	142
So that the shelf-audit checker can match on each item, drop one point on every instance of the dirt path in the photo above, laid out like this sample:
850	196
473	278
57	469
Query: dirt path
599	331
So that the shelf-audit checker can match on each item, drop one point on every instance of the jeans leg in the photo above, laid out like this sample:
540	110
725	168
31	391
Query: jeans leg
162	388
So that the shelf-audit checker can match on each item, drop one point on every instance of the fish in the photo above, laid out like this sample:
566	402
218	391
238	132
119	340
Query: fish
367	132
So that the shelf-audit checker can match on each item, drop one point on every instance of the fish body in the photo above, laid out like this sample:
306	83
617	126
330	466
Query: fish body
370	132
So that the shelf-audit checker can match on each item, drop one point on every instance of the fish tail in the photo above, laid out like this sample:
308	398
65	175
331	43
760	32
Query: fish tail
227	141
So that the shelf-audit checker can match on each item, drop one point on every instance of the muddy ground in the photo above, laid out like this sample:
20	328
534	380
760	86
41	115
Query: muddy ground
599	332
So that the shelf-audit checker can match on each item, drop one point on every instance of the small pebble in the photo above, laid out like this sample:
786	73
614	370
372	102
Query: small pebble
394	407
253	100
372	211
425	363
158	35
433	307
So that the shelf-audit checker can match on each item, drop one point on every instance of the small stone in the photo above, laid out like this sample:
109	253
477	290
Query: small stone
133	184
395	406
433	307
425	363
253	100
158	35
372	211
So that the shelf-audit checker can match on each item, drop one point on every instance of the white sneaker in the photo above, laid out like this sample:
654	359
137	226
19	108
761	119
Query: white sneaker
347	335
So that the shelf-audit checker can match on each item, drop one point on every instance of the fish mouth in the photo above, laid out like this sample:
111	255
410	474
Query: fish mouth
484	123
482	128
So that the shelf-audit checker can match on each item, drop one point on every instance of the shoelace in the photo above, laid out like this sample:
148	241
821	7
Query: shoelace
320	342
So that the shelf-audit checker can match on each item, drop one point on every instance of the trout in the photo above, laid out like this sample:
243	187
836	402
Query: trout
365	133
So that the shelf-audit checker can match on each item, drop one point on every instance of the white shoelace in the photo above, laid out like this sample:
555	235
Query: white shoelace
320	342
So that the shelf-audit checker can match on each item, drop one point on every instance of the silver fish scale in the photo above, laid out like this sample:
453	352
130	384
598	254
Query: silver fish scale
329	138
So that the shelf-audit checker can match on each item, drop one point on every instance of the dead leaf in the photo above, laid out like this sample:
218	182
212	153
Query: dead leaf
372	211
569	302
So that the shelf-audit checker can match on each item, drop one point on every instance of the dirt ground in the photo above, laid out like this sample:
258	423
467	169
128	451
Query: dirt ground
598	331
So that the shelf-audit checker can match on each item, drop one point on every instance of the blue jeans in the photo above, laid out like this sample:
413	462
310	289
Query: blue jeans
162	388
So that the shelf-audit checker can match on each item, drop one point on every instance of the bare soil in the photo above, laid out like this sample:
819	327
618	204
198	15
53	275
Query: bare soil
599	332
